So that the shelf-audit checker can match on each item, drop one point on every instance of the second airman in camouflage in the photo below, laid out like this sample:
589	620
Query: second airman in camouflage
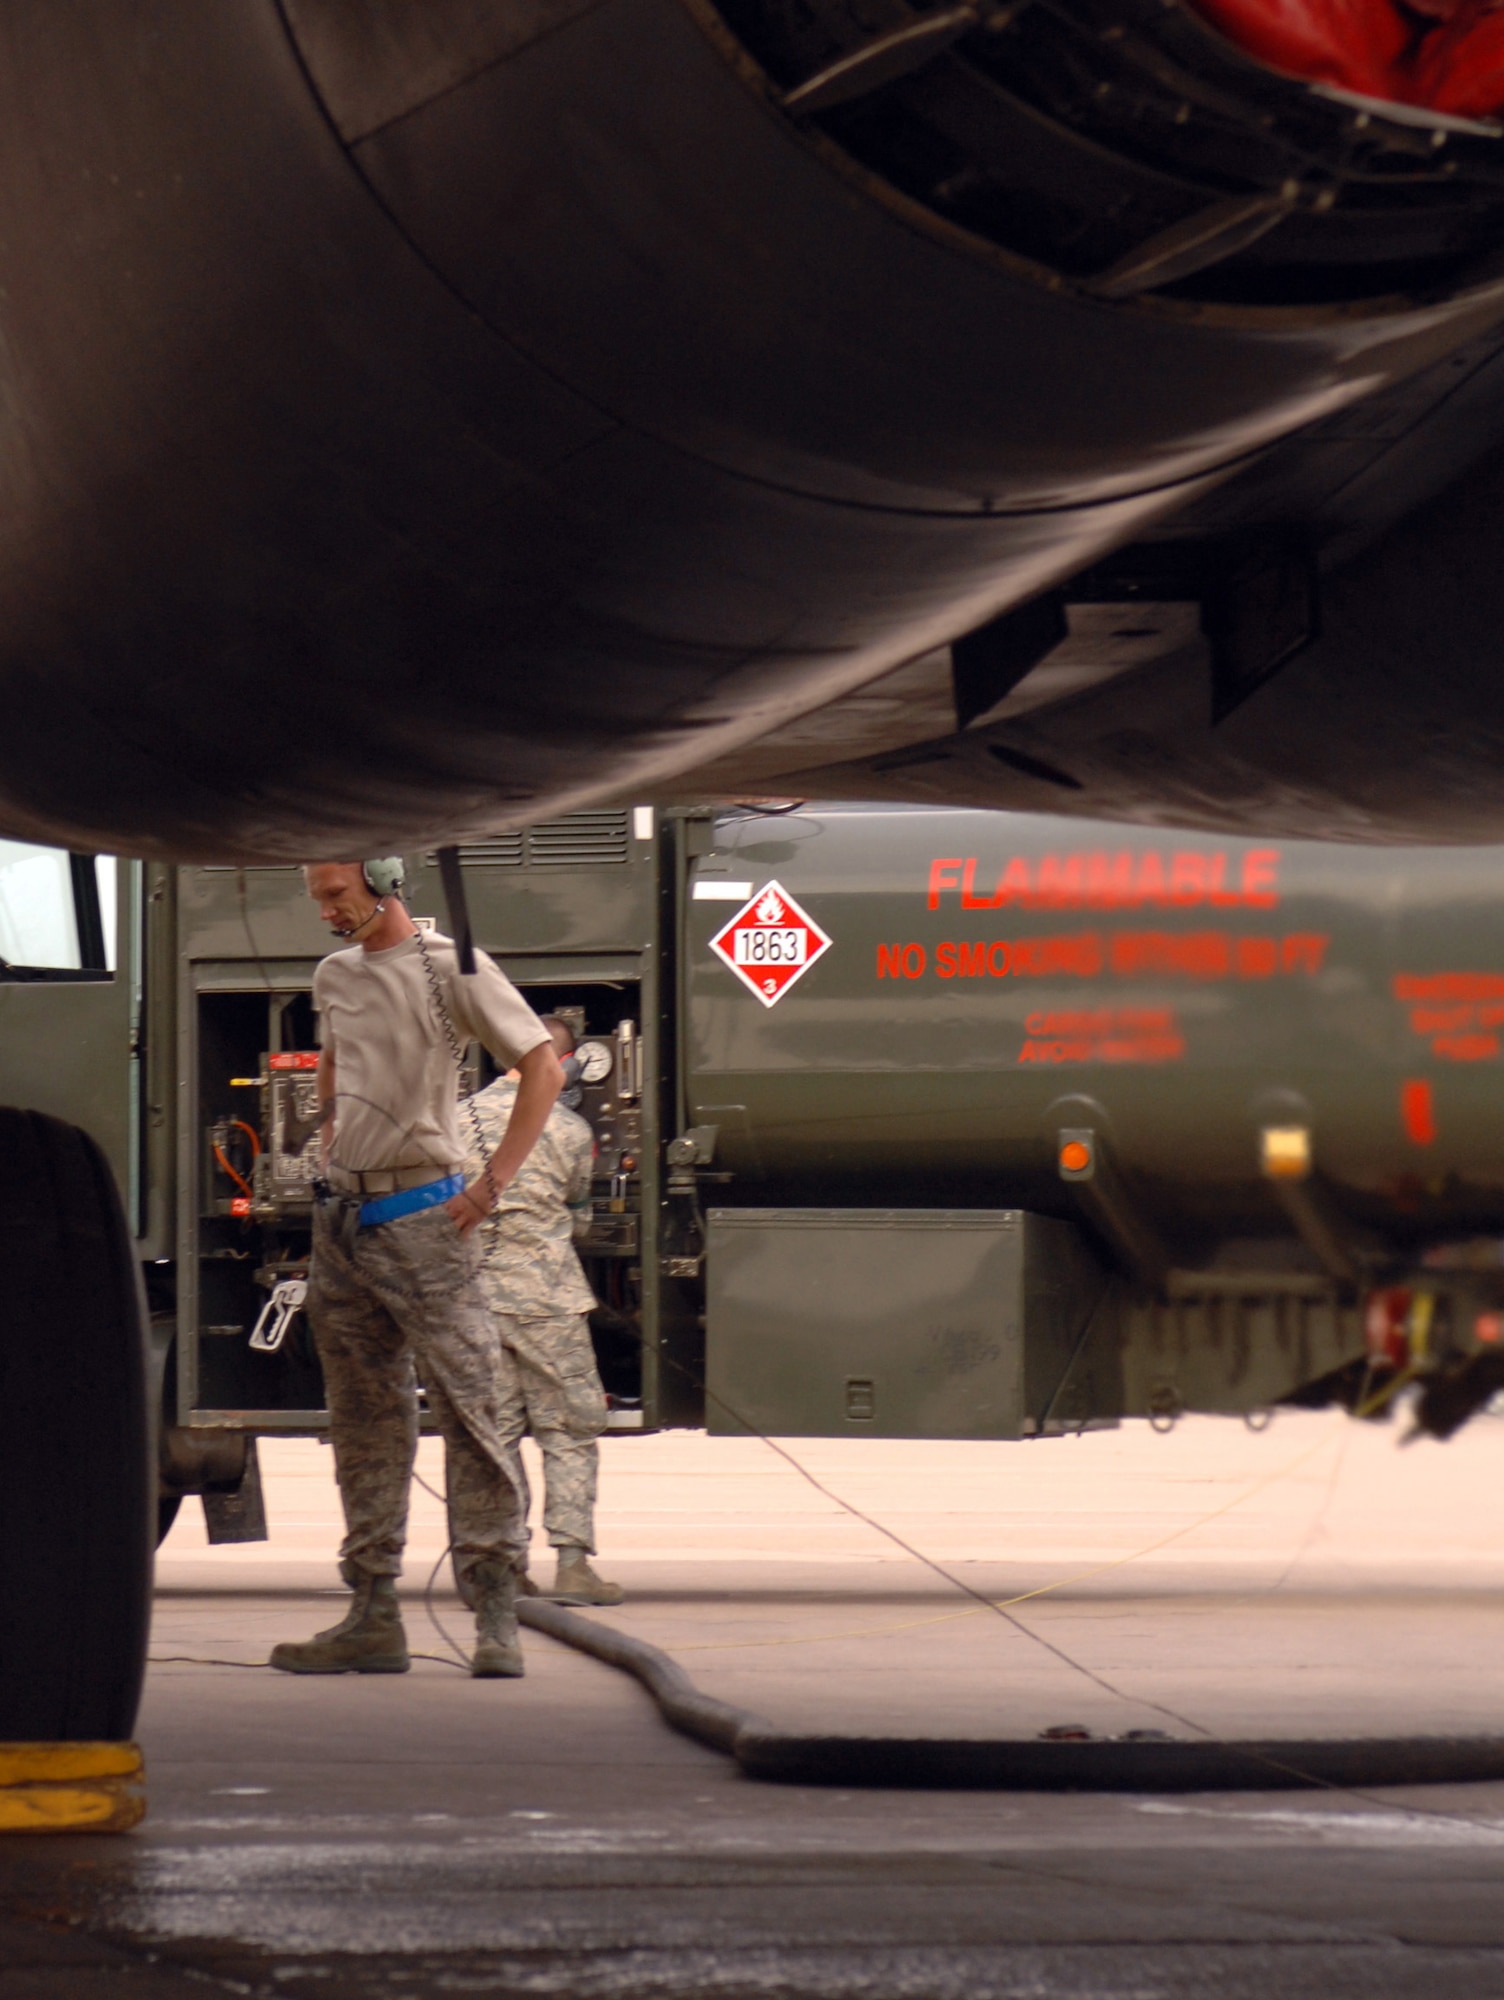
533	1281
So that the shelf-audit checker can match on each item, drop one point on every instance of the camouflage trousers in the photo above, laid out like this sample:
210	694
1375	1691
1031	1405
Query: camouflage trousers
556	1394
387	1306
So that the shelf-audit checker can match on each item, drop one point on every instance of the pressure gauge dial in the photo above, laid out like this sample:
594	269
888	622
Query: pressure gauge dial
594	1059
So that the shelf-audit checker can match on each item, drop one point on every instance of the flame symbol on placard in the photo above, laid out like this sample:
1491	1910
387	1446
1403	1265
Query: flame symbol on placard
770	908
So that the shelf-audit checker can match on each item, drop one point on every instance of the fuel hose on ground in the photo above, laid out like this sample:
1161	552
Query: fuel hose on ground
1139	1761
1026	1764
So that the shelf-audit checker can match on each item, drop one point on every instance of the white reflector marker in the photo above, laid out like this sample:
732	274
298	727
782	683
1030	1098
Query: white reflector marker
715	889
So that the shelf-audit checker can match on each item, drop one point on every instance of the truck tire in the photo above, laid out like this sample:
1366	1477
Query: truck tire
77	1485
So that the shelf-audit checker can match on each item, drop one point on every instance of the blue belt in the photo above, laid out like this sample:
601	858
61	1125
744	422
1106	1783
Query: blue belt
409	1201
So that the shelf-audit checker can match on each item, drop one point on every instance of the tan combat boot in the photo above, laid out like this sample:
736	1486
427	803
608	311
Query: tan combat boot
577	1583
498	1651
368	1640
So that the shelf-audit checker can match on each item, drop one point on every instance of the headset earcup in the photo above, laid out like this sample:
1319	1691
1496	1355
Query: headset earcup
385	876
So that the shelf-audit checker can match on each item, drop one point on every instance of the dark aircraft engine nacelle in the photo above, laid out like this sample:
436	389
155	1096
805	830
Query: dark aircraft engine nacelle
420	418
960	258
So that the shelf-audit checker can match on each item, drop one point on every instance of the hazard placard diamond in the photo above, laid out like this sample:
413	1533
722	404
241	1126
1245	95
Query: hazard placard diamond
770	943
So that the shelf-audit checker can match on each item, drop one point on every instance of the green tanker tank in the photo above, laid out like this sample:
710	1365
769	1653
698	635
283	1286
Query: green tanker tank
990	978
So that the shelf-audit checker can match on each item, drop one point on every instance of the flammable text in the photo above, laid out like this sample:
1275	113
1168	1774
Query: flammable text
1181	880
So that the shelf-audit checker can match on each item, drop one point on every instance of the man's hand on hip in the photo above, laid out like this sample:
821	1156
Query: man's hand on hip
470	1206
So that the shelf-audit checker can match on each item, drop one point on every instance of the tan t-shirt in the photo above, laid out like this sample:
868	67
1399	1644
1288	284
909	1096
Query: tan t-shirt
395	1085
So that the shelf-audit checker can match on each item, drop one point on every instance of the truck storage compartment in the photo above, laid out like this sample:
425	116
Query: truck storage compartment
245	1236
963	1323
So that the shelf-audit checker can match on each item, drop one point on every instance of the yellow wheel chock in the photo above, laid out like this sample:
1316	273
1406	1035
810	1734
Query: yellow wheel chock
70	1787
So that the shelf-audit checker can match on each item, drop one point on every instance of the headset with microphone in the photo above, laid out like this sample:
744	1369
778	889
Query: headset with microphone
384	877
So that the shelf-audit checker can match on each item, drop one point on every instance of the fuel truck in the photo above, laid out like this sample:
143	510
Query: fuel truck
908	1122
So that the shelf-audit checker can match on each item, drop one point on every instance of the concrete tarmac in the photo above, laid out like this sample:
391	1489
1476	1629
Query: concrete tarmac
431	1835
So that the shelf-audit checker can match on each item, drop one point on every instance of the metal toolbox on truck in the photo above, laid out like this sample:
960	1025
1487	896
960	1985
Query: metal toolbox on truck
964	1323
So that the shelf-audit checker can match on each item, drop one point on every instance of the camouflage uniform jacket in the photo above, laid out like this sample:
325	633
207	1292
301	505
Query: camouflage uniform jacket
529	1267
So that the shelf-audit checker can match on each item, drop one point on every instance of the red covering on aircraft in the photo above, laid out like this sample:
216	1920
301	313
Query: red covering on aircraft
1445	54
1460	67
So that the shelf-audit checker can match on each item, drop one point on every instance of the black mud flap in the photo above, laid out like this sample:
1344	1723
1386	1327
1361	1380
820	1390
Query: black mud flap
238	1513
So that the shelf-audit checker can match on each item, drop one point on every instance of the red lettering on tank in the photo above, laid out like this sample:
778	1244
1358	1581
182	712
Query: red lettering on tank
1080	956
1187	879
1417	1112
1459	1028
1261	877
1109	1035
1191	954
1149	954
1133	953
889	965
1442	986
1441	1020
1207	954
1109	880
1466	1048
1156	954
1043	1023
1014	884
1151	886
1061	882
1087	955
1304	951
1217	894
969	900
1125	880
1077	955
942	877
1145	1049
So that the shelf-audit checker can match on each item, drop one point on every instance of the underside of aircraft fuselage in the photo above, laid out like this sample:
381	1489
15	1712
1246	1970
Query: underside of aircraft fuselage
420	421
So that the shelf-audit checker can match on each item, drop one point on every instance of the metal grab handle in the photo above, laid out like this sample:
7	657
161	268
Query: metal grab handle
286	1300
